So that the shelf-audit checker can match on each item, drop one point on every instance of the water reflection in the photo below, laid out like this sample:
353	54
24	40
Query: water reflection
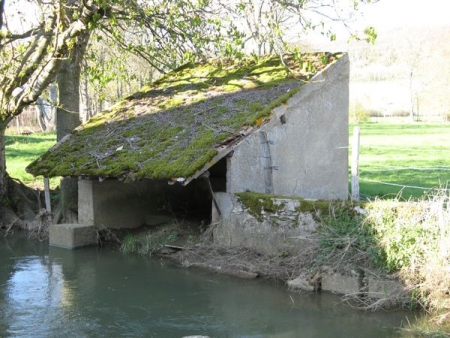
51	292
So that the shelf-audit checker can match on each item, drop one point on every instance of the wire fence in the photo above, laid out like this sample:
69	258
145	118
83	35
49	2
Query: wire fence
373	170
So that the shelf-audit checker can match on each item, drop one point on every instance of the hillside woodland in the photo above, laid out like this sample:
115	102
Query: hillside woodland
403	73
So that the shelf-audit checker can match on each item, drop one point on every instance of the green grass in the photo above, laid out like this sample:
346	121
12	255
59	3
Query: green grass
402	154
407	155
22	150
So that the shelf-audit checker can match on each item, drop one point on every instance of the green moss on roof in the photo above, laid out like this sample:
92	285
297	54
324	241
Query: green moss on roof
172	128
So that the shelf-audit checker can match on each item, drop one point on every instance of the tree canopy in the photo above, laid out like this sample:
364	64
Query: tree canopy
33	49
37	37
34	41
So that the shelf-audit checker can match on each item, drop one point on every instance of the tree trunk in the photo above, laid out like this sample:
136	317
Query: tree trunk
411	97
67	119
54	102
15	198
68	111
85	102
40	114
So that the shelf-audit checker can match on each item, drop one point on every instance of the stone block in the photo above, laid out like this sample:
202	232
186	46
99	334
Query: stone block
301	283
341	283
71	236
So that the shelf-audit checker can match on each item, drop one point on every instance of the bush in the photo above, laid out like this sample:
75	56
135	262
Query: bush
346	240
147	243
408	239
400	113
415	237
359	114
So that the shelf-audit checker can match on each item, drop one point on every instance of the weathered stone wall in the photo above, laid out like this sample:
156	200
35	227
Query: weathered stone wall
273	232
308	143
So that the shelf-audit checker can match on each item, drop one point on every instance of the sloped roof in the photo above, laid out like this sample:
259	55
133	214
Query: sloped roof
183	123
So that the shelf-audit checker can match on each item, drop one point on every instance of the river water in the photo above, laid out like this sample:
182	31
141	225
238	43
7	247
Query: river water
98	292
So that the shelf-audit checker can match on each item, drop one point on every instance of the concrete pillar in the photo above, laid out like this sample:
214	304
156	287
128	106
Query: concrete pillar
85	202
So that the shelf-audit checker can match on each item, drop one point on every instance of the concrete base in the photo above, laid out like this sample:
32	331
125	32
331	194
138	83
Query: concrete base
71	236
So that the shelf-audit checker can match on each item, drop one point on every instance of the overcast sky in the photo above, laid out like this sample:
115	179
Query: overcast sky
395	13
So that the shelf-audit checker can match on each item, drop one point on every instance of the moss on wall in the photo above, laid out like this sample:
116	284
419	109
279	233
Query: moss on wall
258	203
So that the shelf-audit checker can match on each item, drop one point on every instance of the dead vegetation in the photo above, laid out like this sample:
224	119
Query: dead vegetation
23	209
235	260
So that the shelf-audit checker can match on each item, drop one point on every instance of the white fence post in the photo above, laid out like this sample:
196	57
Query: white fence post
355	164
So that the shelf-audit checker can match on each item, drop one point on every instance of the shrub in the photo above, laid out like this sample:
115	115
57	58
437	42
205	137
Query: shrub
346	240
358	113
409	239
415	237
400	113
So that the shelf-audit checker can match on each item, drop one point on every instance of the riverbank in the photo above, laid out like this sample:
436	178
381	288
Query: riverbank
93	292
402	243
407	242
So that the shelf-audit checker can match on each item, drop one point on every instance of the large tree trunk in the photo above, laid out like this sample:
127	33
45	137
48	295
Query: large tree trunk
67	119
85	102
68	111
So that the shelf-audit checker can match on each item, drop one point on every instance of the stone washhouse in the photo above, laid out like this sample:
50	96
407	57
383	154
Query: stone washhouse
188	143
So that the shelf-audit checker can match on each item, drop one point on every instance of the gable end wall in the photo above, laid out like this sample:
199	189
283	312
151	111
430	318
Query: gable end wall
310	143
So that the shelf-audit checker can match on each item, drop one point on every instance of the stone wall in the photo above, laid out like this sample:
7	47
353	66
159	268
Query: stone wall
272	232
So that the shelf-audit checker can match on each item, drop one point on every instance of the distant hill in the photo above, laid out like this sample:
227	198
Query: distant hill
406	68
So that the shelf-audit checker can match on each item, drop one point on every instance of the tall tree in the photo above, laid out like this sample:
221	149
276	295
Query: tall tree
164	33
32	54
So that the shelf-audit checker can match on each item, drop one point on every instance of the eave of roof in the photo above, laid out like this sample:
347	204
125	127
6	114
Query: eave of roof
182	124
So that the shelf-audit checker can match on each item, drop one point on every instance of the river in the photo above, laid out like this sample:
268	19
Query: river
99	292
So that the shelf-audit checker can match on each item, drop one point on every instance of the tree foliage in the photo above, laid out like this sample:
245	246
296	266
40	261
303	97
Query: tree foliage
123	56
161	32
37	37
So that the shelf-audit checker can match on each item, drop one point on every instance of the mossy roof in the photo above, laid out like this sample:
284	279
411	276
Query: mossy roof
176	127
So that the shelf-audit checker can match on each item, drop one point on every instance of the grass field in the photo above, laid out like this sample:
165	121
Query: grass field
408	159
400	156
23	149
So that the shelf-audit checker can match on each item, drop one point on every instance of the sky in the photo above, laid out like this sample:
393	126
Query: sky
402	13
387	16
